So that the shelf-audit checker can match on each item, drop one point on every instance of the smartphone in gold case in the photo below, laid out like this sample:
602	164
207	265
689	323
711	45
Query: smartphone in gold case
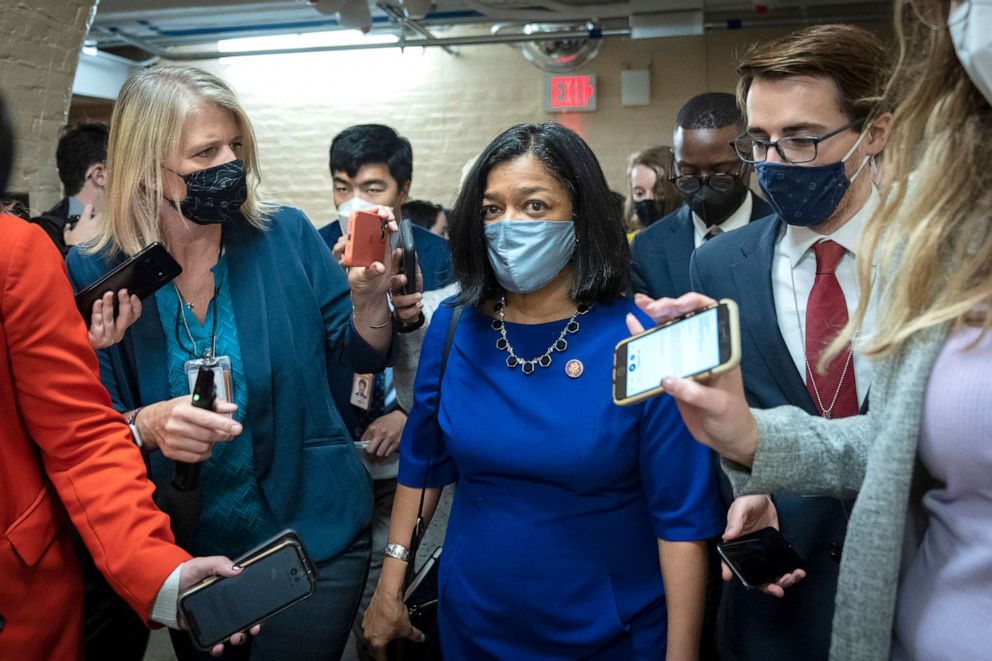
275	575
697	345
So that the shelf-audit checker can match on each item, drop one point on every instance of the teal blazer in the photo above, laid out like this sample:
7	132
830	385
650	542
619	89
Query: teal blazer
293	312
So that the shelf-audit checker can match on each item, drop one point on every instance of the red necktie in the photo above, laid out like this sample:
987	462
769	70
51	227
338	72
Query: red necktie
834	393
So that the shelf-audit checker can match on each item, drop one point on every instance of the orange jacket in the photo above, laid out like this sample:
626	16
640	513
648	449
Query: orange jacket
63	449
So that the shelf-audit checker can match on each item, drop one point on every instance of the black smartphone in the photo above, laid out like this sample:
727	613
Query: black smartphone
699	344
275	576
409	256
142	275
760	557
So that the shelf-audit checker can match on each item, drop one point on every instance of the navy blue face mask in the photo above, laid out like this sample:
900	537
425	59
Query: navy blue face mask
215	195
806	196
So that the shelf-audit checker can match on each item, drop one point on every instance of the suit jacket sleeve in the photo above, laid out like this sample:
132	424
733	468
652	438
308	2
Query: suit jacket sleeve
637	280
806	454
85	446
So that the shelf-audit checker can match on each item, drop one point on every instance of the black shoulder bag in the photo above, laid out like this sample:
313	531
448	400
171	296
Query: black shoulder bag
420	592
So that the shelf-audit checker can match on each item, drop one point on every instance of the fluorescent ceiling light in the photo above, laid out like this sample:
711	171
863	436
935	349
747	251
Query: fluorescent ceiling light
304	40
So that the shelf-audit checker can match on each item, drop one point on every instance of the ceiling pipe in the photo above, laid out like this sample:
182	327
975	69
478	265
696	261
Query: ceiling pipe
414	25
474	40
556	12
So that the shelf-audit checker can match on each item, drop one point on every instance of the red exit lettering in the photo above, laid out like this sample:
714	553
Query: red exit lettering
571	91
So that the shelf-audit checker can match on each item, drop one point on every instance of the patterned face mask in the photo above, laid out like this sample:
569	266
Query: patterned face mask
215	195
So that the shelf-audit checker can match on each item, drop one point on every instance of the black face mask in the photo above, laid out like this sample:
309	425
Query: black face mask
647	211
215	195
714	207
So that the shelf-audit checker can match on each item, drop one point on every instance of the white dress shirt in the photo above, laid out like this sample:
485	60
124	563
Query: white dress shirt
738	219
794	258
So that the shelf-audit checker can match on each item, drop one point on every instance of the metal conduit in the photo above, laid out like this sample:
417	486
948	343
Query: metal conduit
477	40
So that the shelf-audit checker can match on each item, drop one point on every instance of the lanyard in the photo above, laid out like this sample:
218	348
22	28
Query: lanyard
181	306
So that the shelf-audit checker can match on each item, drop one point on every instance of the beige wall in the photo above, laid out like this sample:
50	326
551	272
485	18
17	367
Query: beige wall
39	48
451	106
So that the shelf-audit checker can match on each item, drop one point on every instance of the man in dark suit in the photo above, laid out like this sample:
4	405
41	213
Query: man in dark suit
371	165
80	158
812	139
712	182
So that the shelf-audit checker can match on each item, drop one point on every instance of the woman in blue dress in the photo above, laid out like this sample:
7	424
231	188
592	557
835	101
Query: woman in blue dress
577	528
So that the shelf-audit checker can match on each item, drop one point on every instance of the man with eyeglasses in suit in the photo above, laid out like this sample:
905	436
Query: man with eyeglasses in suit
713	184
812	134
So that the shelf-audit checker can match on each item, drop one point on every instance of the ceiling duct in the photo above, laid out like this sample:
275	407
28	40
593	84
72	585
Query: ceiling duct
556	55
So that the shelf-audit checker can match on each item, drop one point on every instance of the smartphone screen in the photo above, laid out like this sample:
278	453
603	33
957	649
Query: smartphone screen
234	603
761	557
684	348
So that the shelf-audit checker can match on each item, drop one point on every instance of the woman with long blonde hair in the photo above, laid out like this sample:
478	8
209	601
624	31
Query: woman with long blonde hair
916	574
261	302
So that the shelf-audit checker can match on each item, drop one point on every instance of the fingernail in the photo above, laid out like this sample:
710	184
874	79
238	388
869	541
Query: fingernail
667	382
235	567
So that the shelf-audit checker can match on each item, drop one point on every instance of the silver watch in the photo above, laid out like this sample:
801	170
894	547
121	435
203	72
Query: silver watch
397	551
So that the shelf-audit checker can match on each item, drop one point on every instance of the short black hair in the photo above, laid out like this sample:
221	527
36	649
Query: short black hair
712	110
422	212
365	144
602	255
80	147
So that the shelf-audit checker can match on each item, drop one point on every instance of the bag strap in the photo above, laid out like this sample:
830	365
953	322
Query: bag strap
419	529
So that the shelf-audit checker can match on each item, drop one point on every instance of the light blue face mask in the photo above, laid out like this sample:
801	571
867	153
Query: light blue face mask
528	254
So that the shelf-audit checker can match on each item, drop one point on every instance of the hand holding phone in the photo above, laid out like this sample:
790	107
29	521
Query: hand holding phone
366	241
142	275
760	557
701	343
274	576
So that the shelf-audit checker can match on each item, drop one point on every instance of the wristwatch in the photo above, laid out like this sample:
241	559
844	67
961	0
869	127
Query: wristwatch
409	326
134	427
397	551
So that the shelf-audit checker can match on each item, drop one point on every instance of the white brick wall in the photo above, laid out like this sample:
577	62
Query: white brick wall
39	48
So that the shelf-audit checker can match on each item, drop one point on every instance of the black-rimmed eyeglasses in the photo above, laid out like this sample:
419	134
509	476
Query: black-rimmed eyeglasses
792	149
721	182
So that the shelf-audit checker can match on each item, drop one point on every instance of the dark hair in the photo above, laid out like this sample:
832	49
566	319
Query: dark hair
602	255
365	144
712	110
80	146
422	212
6	146
853	58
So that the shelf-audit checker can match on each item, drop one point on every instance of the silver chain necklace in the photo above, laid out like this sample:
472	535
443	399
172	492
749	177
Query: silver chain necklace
544	360
827	411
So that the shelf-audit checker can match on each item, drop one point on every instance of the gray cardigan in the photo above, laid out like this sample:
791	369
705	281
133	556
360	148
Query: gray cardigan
874	455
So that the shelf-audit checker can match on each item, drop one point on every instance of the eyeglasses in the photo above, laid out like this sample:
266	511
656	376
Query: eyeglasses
793	149
721	182
941	14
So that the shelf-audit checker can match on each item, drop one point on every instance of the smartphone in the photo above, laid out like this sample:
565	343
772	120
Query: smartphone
366	241
275	576
409	256
142	275
760	557
698	344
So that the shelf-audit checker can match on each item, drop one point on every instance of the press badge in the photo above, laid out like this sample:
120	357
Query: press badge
361	391
220	366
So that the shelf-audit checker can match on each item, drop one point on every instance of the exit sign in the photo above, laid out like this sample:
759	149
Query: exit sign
570	93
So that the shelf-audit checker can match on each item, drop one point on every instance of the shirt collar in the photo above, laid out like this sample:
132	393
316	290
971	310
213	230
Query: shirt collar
738	219
796	241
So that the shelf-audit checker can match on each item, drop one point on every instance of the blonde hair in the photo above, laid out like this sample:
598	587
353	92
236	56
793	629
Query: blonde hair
929	239
659	160
145	129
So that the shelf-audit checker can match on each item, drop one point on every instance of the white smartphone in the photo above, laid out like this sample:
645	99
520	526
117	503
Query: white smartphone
699	344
